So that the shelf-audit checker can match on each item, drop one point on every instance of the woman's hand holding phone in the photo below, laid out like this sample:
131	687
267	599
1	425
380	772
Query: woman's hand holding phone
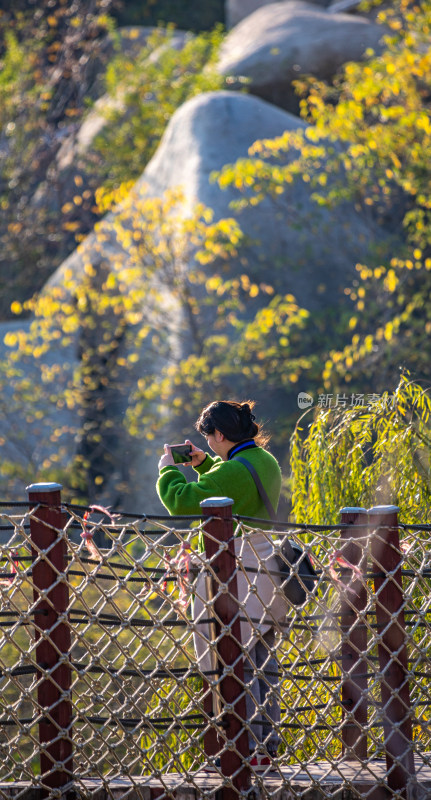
198	456
166	459
194	457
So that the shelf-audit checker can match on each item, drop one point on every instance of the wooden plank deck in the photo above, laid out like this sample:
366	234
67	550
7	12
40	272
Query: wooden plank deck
346	780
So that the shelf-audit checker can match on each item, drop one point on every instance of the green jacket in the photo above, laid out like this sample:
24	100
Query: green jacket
219	478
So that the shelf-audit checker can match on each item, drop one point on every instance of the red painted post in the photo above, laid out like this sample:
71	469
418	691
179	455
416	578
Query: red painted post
395	695
354	635
51	600
220	529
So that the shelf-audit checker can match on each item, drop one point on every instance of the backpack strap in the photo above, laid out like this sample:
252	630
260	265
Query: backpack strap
288	552
259	486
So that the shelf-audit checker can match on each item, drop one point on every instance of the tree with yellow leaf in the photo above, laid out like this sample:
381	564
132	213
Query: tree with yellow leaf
160	320
132	311
369	141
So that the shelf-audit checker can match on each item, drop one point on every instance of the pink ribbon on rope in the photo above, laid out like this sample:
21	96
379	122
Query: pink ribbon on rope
8	579
167	560
343	562
87	534
180	566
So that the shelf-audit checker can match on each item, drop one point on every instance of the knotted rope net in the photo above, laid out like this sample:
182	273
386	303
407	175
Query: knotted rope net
138	694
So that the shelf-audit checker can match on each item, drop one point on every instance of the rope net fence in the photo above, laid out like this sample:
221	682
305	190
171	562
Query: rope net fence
147	662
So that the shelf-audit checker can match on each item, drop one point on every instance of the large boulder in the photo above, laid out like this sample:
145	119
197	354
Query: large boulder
282	41
311	251
237	10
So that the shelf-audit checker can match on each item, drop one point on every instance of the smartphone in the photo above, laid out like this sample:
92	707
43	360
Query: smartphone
181	453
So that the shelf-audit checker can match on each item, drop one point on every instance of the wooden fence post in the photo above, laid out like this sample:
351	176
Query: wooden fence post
395	695
51	600
354	635
229	653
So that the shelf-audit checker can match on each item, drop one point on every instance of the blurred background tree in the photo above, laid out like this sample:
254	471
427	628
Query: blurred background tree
186	15
54	58
52	54
145	89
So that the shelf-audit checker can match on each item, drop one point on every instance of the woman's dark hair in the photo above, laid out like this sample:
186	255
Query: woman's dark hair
234	420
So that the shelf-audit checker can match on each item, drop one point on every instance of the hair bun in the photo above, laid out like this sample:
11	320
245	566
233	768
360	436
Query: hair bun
246	408
233	419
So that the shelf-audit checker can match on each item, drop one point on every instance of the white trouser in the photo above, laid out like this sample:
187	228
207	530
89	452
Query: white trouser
256	591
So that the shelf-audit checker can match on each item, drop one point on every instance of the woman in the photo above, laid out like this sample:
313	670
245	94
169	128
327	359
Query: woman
231	430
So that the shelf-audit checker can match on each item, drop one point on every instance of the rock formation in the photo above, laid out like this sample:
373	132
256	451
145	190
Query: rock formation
237	10
282	41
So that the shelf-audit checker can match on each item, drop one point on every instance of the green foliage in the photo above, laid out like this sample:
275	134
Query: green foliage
12	77
375	455
145	91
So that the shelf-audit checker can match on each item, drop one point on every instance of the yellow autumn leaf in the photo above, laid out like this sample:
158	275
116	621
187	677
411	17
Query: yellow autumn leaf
71	226
391	281
10	339
388	331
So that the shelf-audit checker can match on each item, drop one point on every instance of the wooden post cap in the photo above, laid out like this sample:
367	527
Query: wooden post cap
216	502
381	510
44	487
